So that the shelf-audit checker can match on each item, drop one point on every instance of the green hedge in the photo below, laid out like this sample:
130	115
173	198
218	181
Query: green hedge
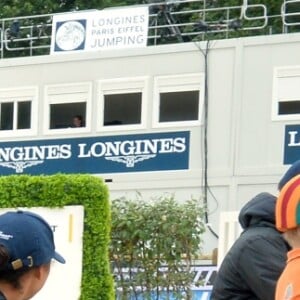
62	190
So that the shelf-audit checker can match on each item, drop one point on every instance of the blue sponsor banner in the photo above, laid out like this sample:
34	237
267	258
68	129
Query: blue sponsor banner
97	155
291	144
196	295
201	288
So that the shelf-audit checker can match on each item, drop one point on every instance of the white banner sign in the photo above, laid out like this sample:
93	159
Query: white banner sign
64	280
100	30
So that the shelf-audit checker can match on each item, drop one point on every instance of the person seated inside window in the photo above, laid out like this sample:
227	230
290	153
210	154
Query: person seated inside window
77	121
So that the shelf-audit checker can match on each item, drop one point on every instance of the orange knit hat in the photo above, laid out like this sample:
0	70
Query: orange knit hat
288	205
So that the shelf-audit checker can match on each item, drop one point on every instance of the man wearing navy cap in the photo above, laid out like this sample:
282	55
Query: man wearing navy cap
26	250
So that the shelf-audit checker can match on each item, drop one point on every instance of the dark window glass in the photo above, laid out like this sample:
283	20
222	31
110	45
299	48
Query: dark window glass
179	106
7	114
122	109
289	107
24	115
62	115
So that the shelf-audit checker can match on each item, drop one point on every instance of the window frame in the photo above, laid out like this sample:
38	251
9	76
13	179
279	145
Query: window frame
21	94
280	73
122	86
61	94
177	83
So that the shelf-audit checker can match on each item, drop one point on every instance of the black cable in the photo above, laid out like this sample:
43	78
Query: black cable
205	143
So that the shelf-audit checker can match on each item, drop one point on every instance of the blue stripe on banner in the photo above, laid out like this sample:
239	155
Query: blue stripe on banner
201	295
197	295
291	144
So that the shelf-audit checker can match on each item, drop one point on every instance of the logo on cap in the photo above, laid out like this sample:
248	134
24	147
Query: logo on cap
4	236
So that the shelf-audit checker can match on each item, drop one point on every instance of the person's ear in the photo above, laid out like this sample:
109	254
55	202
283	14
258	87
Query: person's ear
38	272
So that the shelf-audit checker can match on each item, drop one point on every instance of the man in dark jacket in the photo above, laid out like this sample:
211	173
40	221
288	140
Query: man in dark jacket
255	261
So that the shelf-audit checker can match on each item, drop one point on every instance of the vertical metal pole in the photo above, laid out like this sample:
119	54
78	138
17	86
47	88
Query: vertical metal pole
2	38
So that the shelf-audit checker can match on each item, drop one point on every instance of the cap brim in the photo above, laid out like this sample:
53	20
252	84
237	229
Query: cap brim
59	258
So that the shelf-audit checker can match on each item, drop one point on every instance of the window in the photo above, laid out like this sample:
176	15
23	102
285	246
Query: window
289	107
62	114
178	100
15	115
7	116
24	115
286	93
68	107
122	109
122	103
18	111
179	106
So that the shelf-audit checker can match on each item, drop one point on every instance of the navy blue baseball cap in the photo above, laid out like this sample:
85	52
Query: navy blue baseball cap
28	239
292	171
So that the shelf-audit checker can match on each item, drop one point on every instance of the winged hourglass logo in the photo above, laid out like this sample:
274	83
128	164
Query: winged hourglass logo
130	160
19	166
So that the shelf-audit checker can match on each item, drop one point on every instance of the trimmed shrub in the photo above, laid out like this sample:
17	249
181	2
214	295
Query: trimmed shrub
155	242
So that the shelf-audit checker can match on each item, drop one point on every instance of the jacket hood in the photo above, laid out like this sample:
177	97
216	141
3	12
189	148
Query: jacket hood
258	210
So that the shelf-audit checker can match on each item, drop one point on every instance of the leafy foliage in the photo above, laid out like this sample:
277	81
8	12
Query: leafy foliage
14	8
156	241
63	190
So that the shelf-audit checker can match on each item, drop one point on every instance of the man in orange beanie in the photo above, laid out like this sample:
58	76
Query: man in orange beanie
288	222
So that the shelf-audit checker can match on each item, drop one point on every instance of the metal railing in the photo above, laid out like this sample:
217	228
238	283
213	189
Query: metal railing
25	36
203	279
290	13
169	22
